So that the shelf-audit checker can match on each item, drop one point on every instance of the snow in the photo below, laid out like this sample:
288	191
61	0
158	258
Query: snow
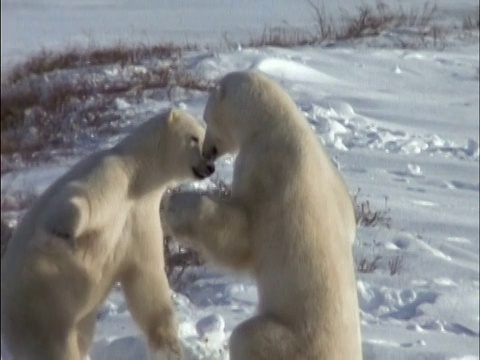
400	123
56	23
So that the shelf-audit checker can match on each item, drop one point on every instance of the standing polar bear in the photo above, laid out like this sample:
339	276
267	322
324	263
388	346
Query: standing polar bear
97	225
289	220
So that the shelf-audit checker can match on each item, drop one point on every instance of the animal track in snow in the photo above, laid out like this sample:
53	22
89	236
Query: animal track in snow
442	326
387	303
343	129
464	185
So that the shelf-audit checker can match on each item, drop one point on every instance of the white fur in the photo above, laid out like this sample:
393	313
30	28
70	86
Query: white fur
97	225
289	221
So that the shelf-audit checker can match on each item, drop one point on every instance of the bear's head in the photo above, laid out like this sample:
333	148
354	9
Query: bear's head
168	147
219	138
183	141
237	109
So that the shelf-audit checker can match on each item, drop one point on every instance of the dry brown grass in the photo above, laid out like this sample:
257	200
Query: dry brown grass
176	262
367	216
46	60
472	22
46	96
179	258
395	264
32	89
49	112
368	265
7	232
369	261
44	105
16	202
366	20
281	36
369	20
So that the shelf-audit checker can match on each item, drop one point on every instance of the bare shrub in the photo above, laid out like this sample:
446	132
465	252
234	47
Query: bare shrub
324	23
7	232
49	96
472	22
46	60
17	200
372	20
366	216
283	36
179	258
187	80
395	264
418	18
41	113
368	20
13	203
43	107
368	265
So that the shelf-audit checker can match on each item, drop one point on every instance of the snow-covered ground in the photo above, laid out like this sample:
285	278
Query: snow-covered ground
400	123
30	25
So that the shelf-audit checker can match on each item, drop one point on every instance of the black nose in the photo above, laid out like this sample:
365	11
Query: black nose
210	169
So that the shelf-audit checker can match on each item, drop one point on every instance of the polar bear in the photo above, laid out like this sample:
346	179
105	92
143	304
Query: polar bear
289	221
97	225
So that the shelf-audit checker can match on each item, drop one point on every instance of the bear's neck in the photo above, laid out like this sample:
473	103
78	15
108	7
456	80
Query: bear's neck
145	181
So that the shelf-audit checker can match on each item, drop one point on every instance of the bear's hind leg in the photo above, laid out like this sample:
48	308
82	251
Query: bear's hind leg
263	338
32	339
55	349
148	298
85	332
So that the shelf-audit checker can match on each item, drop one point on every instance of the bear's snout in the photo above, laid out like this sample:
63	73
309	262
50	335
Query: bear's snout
202	172
210	169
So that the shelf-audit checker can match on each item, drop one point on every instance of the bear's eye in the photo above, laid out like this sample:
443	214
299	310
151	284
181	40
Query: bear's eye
194	140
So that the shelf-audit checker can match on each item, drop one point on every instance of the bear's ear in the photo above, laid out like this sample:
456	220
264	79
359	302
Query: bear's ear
221	91
172	116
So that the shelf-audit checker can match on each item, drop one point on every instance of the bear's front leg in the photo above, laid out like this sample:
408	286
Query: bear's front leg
216	226
177	213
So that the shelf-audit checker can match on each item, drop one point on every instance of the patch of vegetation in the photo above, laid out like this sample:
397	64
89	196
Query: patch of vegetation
368	265
43	106
395	264
279	36
47	61
472	22
13	202
179	258
7	232
366	216
367	20
17	201
54	111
